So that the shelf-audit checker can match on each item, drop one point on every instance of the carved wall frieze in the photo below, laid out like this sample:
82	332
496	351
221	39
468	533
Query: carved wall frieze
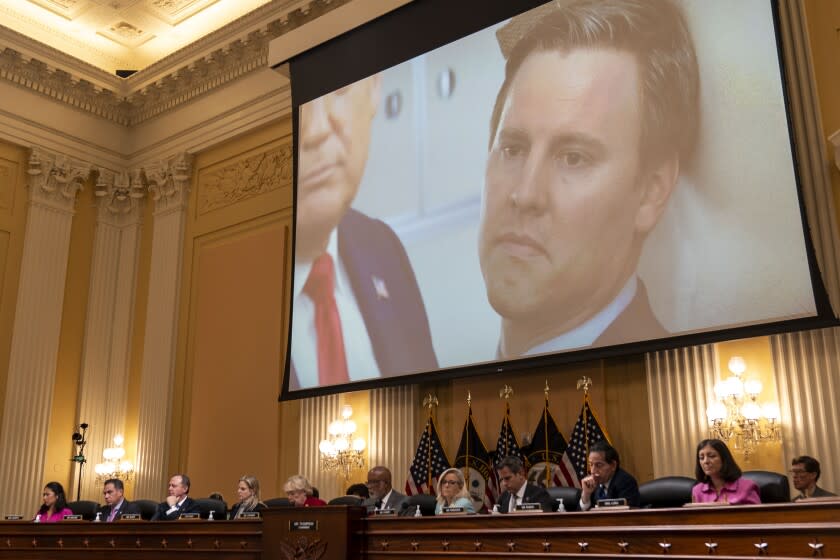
136	100
245	179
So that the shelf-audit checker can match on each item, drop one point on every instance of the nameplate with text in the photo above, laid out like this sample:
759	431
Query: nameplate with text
532	507
612	502
74	517
453	510
303	525
130	517
249	515
14	518
385	511
190	516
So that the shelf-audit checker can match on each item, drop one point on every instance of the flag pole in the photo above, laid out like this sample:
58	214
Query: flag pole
585	383
467	443
429	402
545	433
505	393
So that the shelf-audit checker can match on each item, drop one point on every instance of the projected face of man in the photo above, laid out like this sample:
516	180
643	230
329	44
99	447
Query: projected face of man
334	141
566	203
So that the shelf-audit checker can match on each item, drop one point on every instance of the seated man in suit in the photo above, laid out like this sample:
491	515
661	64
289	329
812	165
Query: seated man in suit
597	115
113	490
358	312
607	479
513	478
805	471
382	494
177	502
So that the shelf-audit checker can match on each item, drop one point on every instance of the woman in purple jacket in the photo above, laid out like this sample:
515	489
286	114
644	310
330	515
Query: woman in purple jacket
719	477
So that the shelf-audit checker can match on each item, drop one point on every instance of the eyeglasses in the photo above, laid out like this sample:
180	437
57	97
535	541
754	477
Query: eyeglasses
372	482
798	472
449	482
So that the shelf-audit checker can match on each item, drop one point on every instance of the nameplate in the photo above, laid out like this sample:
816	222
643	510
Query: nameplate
14	518
531	507
74	517
453	510
303	525
190	515
131	517
249	515
612	502
385	511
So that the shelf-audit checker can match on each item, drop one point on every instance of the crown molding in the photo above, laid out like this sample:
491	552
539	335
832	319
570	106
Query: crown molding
219	59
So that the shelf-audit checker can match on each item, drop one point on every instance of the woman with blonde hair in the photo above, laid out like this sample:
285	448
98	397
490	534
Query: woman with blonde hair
299	492
248	491
452	492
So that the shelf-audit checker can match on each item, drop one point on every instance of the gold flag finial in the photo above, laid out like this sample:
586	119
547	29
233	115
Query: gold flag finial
469	398
584	383
430	401
506	392
546	388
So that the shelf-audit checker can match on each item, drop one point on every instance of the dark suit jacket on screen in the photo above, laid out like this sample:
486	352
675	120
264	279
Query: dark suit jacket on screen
189	506
396	323
636	322
126	507
533	494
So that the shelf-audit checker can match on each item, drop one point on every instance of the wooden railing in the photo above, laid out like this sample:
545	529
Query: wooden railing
338	533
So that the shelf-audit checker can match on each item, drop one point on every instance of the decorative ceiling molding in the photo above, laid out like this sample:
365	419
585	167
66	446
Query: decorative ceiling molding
211	63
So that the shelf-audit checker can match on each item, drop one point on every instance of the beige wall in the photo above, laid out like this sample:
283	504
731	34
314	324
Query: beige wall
12	226
231	353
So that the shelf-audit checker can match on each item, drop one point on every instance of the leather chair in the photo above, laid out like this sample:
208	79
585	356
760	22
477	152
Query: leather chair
345	501
665	492
218	507
85	508
278	502
569	494
147	508
773	487
427	505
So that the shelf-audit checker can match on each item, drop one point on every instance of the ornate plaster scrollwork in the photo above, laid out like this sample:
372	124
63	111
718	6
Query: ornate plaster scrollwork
120	195
168	182
54	179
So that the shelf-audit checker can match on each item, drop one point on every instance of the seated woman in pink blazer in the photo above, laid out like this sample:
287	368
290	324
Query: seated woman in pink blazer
55	504
719	477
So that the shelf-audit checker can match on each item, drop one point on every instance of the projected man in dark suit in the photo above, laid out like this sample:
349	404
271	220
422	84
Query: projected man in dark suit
358	312
597	113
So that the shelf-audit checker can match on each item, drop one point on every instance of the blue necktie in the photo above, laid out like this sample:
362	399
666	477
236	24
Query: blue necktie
602	492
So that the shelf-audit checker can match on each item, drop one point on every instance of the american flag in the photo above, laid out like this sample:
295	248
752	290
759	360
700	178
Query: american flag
506	446
548	448
429	461
587	431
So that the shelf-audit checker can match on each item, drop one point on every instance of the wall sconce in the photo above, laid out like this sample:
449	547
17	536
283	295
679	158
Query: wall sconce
341	452
114	466
736	417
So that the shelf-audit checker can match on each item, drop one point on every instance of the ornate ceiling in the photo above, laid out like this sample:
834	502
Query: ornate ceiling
122	34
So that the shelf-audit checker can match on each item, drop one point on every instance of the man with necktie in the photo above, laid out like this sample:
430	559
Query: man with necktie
177	502
116	505
358	312
607	480
518	490
382	493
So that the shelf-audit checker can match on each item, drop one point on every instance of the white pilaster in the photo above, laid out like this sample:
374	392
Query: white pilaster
53	184
169	190
108	329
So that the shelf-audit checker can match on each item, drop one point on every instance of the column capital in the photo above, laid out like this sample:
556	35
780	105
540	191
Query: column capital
55	179
119	197
168	182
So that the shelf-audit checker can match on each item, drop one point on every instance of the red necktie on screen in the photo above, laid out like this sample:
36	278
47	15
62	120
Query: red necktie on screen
320	287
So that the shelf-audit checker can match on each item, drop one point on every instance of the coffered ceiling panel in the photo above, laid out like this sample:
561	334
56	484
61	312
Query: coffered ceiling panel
122	34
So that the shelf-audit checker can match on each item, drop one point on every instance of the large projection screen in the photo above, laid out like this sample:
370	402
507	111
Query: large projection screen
503	188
